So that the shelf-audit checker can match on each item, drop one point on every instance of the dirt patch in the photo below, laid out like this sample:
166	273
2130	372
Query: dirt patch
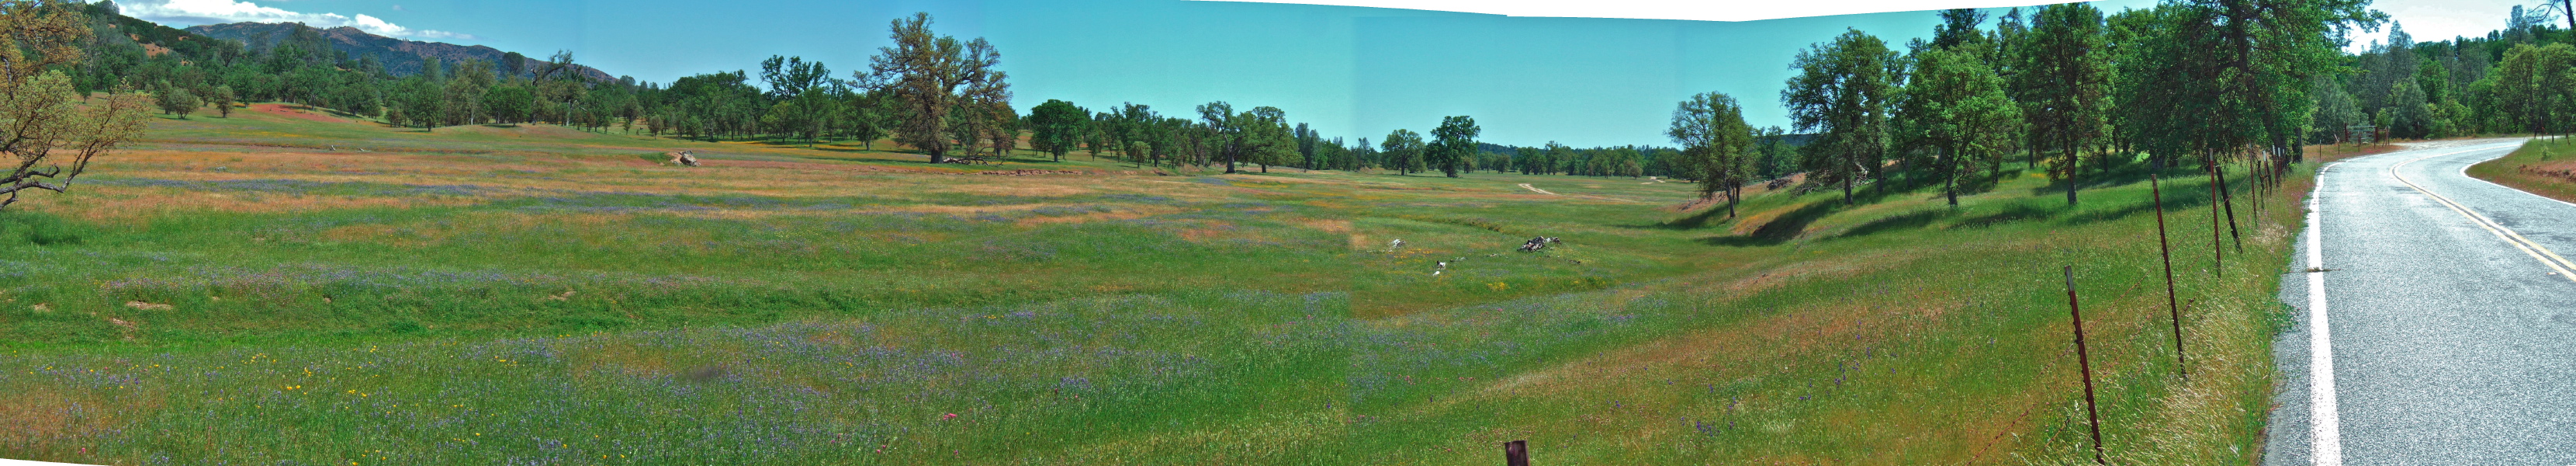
2563	170
37	417
1330	226
1095	217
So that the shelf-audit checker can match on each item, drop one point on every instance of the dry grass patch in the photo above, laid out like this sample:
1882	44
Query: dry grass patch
134	205
1024	187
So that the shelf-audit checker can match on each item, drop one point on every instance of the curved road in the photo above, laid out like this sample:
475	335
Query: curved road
2449	320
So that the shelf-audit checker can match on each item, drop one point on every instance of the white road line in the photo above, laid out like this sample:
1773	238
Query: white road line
2566	269
2464	173
2324	425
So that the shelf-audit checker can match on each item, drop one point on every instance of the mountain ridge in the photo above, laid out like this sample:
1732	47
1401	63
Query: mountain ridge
399	56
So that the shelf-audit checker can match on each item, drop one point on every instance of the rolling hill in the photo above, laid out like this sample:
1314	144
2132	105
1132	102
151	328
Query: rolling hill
402	57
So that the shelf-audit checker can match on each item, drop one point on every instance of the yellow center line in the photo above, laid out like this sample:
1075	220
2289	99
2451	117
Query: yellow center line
2565	268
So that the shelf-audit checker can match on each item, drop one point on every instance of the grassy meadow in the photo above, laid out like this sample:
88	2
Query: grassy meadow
2543	166
295	288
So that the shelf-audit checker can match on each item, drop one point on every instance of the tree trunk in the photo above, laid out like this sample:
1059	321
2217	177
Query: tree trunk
1734	194
1852	162
1950	167
1950	185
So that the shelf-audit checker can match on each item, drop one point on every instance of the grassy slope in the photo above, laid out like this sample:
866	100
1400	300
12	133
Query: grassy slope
2546	167
533	294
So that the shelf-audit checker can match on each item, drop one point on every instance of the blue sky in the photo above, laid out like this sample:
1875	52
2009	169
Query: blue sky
1350	71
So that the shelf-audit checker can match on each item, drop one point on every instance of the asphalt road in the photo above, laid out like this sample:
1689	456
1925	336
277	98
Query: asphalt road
2451	340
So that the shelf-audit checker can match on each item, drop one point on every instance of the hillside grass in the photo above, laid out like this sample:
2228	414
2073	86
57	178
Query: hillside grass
2542	166
256	290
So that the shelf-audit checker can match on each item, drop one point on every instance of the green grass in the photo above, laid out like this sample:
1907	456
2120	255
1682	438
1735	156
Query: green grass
535	295
2543	166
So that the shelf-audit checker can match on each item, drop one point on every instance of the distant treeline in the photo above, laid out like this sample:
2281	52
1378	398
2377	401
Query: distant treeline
2074	91
2065	88
931	93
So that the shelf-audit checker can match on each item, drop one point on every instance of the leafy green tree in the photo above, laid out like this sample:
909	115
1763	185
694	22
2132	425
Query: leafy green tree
224	99
1717	146
1958	31
862	117
2066	79
176	100
1842	91
978	121
2336	112
1454	141
508	103
1777	157
1955	108
1561	158
1226	132
1137	126
2267	51
1056	127
1267	138
465	92
423	102
929	76
2409	114
1308	145
1001	125
1403	151
1095	136
800	96
792	77
2435	81
2533	87
2385	66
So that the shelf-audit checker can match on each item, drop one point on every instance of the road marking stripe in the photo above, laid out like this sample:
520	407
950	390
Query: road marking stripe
2324	425
2464	172
2566	269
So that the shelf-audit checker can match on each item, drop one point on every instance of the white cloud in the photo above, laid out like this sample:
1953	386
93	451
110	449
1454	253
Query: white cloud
196	12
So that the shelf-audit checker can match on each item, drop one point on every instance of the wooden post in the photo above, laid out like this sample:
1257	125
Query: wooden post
2154	186
2085	361
1516	453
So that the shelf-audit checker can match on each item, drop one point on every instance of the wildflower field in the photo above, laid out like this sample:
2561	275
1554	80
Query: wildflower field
284	288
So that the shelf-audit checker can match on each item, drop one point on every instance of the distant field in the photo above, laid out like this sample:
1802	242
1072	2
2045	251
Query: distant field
280	287
2544	166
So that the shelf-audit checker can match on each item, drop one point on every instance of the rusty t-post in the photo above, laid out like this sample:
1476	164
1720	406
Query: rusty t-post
2154	186
2218	257
2085	361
